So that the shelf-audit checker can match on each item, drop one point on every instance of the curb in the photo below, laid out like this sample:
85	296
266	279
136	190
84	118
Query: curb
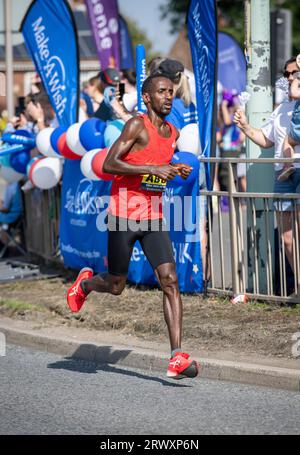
122	355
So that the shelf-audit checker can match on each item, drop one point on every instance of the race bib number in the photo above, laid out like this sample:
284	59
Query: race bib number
153	183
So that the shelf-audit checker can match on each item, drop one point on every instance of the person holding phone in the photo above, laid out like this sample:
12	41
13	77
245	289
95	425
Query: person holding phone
110	79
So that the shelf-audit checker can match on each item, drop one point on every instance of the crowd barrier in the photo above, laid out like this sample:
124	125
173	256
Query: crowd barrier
246	248
42	215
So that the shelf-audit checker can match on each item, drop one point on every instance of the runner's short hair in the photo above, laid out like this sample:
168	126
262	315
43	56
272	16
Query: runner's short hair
147	85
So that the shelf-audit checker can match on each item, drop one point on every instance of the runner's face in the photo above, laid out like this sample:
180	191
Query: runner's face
161	96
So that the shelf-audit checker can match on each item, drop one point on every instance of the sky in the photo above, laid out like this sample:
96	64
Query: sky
147	16
145	13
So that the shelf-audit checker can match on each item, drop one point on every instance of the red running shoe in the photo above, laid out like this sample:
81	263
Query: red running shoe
75	296
180	367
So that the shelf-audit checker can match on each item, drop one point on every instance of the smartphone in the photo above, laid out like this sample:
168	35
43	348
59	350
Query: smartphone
20	106
121	89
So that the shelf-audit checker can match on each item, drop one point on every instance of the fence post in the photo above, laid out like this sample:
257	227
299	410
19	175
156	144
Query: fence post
9	58
233	232
260	177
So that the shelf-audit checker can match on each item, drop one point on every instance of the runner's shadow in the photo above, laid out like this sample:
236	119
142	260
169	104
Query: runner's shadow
91	359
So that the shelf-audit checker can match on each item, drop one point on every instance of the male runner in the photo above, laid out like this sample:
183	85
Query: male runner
140	159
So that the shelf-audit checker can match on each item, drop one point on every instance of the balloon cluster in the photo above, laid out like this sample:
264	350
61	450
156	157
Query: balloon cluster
13	165
88	142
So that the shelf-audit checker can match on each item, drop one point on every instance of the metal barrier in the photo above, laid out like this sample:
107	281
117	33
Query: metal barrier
247	245
247	253
42	214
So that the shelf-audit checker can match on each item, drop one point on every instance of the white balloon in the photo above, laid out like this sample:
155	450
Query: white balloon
189	140
43	143
9	174
73	141
130	101
47	173
86	165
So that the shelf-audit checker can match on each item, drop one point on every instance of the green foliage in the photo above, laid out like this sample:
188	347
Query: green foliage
176	11
231	17
138	36
293	310
294	6
231	11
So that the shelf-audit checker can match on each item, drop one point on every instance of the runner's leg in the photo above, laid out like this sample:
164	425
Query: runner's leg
120	246
172	303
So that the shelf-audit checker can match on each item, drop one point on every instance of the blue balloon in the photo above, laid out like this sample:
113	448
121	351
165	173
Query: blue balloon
191	160
55	135
5	160
19	161
91	134
23	137
113	131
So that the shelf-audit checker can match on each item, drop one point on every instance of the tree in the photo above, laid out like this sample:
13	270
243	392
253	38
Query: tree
138	36
176	10
294	6
231	17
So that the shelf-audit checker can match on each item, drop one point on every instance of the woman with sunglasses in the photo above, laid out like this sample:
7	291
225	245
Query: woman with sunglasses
293	138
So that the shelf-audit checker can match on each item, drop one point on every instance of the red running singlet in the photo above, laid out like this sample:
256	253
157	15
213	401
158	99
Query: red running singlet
129	198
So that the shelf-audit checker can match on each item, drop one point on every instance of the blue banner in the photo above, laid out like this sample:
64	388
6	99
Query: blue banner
202	32
232	68
141	74
83	234
51	39
126	52
181	213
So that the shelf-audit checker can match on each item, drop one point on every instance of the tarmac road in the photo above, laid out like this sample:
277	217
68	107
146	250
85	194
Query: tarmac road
44	393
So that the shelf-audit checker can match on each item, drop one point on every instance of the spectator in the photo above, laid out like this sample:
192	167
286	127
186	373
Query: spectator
273	134
10	209
11	206
37	115
232	140
3	120
183	110
36	84
86	104
293	138
129	101
154	64
40	112
94	90
111	108
109	79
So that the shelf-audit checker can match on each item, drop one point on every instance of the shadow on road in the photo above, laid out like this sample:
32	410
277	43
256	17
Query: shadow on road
103	358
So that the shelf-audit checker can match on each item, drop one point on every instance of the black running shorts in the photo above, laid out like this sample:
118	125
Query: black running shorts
122	235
